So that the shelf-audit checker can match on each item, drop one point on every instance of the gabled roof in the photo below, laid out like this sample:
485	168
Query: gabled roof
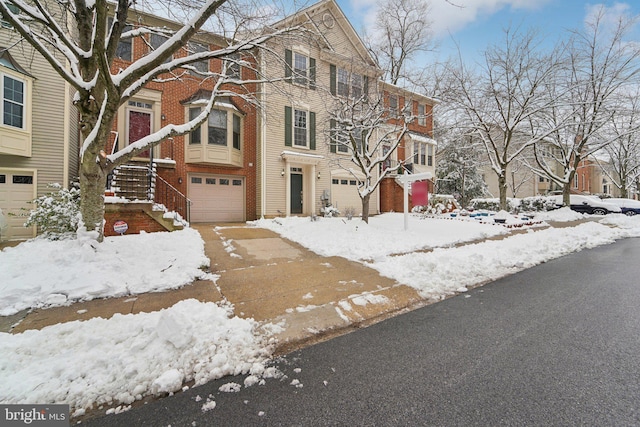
341	20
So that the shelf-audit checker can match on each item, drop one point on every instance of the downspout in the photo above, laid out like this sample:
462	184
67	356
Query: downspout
263	143
66	136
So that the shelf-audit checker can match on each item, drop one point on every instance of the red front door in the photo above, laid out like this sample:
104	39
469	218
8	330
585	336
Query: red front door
139	127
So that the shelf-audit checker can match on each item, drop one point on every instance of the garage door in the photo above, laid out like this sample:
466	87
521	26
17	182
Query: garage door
16	191
216	198
344	194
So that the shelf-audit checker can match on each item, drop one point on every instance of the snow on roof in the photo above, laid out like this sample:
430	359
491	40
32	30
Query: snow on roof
422	138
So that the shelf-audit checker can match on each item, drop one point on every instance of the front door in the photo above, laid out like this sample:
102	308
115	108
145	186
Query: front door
296	193
139	127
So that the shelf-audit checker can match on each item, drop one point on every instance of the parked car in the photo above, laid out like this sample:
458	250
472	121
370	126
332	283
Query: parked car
588	204
628	206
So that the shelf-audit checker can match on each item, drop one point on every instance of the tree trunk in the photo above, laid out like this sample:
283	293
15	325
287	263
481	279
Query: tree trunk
365	208
566	191
92	185
502	186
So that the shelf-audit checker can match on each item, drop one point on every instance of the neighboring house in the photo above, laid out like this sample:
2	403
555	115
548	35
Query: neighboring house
38	140
590	178
207	175
521	180
300	171
417	150
296	176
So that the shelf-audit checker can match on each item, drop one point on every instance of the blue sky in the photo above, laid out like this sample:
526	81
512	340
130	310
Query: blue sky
478	23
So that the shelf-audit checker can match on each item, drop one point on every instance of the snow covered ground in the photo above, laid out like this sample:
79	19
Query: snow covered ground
41	273
121	359
384	245
126	357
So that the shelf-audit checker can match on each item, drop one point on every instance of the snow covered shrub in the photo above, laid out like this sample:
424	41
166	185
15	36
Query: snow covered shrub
491	204
537	204
349	213
441	204
57	214
330	211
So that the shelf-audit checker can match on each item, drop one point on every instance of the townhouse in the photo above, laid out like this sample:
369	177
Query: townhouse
207	175
243	163
38	132
300	169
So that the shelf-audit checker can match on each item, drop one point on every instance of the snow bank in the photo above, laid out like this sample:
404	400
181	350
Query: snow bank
122	359
564	214
384	235
448	271
41	273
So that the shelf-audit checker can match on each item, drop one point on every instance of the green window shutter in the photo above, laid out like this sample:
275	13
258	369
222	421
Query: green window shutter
312	73
332	77
312	130
332	135
288	59
287	126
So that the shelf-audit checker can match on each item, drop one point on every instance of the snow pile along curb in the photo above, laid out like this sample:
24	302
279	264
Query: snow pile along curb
448	271
122	359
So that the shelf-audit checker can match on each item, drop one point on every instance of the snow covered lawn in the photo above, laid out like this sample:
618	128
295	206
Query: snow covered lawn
41	273
383	236
448	270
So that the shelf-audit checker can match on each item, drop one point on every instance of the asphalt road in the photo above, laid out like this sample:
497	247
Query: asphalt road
557	344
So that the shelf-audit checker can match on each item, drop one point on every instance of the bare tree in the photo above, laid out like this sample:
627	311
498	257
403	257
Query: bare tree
79	39
365	129
599	66
496	102
623	168
401	32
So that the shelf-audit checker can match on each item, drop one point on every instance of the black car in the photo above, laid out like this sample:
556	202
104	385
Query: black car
588	204
628	206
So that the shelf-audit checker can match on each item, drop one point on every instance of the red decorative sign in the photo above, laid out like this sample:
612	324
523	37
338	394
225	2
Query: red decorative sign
420	193
120	227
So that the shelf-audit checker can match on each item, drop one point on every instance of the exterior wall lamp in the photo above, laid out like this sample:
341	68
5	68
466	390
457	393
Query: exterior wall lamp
282	173
318	175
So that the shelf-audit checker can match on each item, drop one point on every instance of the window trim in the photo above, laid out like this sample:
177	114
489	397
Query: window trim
422	116
306	128
393	109
121	42
197	47
17	141
292	75
290	127
204	128
153	47
5	100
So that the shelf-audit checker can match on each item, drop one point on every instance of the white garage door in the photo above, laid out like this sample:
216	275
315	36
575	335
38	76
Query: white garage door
16	191
216	198
344	194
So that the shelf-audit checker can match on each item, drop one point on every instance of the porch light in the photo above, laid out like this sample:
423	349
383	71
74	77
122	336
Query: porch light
318	175
282	173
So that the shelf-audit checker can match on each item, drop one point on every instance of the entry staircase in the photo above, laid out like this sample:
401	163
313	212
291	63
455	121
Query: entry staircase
140	181
137	181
